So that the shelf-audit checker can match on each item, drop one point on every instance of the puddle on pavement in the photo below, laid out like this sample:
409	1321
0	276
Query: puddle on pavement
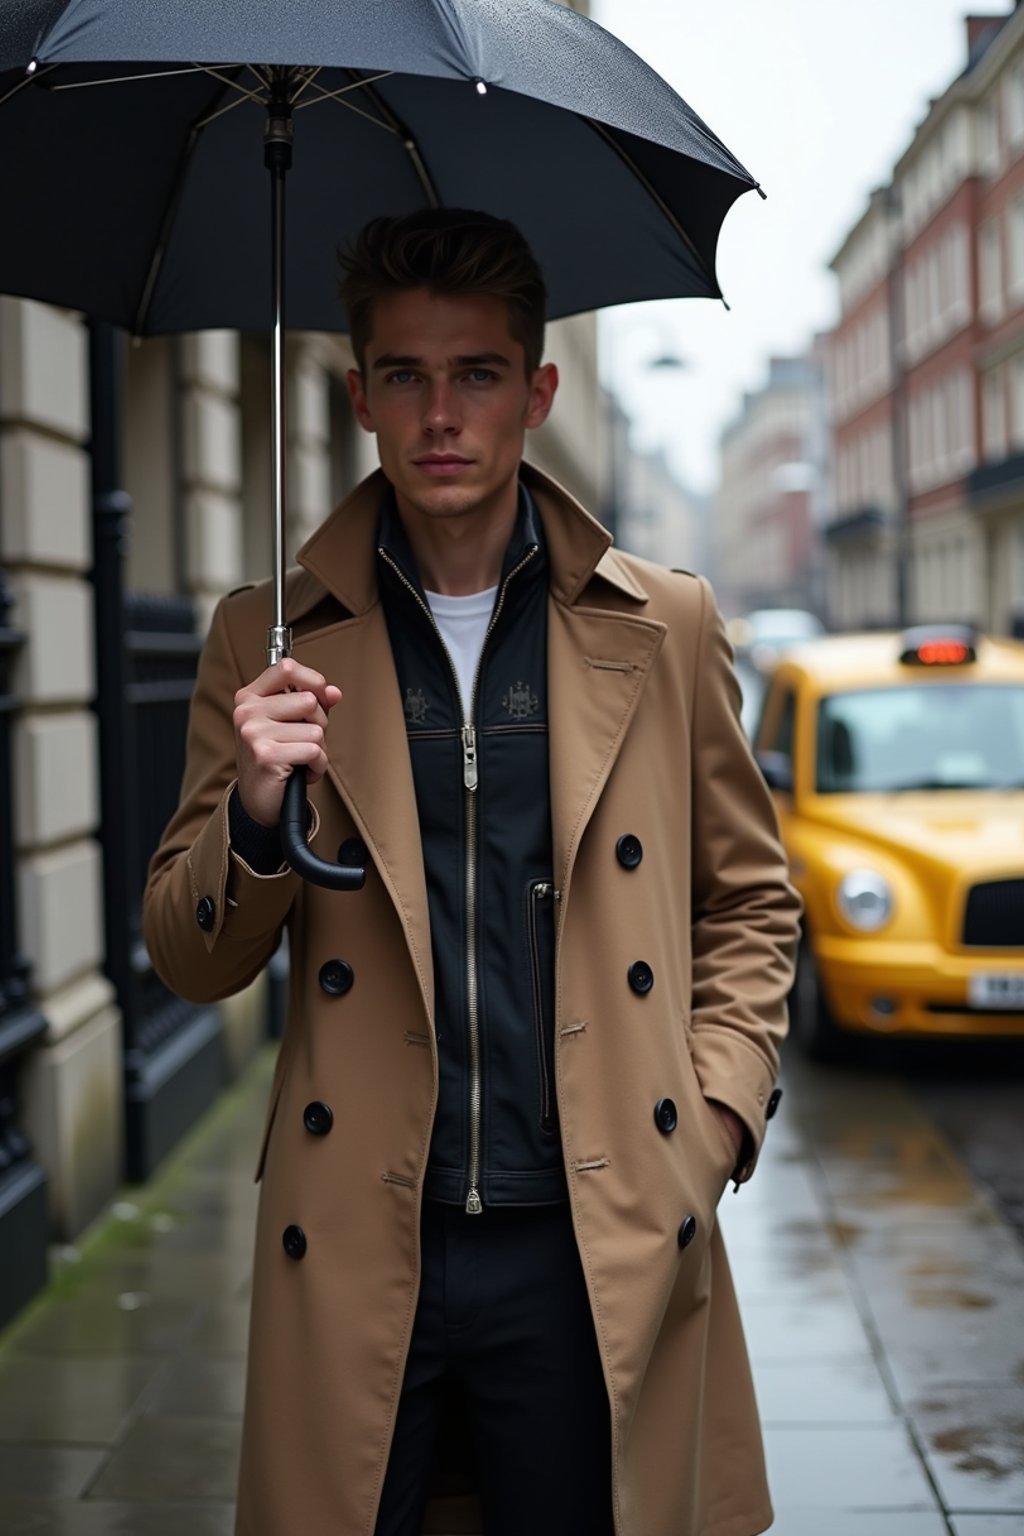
991	1451
948	1297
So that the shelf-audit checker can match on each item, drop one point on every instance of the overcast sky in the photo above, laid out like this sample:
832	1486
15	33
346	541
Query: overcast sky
817	98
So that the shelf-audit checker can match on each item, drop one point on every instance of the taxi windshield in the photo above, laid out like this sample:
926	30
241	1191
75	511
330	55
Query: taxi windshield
955	735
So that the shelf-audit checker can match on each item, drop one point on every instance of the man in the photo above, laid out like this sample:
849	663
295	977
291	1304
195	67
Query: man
521	1065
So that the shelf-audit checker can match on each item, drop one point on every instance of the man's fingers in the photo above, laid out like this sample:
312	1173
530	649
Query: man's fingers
289	676
282	706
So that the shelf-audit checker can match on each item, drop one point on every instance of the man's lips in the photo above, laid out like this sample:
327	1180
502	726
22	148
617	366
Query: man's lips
442	463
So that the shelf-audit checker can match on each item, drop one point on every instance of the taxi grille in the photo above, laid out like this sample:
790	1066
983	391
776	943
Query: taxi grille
994	917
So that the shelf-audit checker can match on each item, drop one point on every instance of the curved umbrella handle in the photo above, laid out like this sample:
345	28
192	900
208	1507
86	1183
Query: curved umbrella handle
294	826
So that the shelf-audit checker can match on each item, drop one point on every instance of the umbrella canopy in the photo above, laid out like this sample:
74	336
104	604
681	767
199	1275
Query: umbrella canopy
135	186
143	201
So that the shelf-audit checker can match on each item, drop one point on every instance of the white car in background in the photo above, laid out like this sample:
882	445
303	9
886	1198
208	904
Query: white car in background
760	639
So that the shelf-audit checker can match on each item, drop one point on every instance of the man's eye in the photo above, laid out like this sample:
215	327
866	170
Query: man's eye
400	376
481	375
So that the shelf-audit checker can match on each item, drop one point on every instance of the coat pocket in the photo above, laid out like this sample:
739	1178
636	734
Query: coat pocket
540	937
268	1125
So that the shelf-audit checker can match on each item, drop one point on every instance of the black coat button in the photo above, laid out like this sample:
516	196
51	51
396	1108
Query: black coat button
336	977
294	1240
206	912
687	1232
629	850
354	853
318	1118
665	1116
641	977
773	1103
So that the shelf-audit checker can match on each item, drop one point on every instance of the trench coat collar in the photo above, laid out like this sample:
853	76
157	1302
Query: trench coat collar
342	555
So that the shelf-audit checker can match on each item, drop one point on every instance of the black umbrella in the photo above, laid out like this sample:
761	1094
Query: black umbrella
134	186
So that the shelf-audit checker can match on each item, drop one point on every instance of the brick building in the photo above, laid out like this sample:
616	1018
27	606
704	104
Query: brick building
926	366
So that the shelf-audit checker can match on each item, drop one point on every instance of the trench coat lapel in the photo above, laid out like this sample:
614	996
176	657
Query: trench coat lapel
599	659
598	663
366	744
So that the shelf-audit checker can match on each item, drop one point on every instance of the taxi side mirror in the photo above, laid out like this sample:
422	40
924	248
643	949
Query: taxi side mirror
777	770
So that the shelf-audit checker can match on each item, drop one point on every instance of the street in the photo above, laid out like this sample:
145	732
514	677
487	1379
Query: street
882	1291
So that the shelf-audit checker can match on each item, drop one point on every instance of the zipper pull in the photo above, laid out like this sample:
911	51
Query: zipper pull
474	1205
541	889
470	774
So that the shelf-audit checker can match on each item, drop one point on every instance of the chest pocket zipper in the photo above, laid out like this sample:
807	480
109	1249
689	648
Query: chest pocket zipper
541	939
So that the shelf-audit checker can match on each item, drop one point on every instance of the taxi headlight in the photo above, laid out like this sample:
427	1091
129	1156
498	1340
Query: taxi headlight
865	899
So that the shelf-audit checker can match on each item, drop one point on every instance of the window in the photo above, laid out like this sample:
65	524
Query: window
990	272
988	138
1017	431
993	413
1013	107
959	297
1015	274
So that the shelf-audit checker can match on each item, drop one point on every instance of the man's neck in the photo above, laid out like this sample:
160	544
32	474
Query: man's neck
461	554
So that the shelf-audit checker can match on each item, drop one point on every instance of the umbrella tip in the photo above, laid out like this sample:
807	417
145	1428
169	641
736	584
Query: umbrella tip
481	88
32	66
762	194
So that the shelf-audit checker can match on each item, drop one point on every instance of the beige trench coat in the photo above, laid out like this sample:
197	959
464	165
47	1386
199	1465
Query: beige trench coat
644	739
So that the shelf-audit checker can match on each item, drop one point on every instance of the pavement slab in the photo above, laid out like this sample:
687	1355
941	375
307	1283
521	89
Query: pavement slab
48	1518
160	1456
48	1471
888	1522
845	1468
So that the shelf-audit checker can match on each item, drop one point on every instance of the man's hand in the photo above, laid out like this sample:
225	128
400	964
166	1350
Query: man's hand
732	1122
280	720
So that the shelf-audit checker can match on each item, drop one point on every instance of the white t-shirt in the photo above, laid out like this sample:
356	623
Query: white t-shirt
463	624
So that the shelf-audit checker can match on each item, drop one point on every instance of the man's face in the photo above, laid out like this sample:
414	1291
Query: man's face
446	392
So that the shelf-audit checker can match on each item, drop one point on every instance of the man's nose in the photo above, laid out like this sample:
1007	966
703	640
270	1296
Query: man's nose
442	408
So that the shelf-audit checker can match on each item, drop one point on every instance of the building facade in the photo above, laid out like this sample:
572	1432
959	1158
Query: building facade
926	365
766	547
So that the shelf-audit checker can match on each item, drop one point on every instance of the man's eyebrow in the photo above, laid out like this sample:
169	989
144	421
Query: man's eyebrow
468	360
477	359
397	360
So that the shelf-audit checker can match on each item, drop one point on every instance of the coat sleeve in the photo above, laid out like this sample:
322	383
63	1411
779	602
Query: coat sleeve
210	921
745	912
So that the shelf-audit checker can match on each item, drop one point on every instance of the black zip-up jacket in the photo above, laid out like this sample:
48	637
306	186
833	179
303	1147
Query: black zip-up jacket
483	799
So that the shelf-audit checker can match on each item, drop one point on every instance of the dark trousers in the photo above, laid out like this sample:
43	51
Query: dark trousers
504	1318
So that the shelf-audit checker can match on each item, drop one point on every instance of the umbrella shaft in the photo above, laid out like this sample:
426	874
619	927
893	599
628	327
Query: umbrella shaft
278	156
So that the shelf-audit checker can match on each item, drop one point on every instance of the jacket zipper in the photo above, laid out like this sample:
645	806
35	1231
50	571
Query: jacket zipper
540	891
470	781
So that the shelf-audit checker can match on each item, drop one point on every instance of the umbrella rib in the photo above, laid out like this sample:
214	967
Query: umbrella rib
345	90
409	143
171	208
349	106
32	79
655	197
233	85
153	74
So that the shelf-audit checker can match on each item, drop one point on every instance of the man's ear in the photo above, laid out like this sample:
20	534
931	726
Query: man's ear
357	394
542	394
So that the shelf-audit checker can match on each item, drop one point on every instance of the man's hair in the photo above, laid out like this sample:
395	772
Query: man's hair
448	251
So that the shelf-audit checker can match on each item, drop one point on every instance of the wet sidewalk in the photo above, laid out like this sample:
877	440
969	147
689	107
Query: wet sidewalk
883	1298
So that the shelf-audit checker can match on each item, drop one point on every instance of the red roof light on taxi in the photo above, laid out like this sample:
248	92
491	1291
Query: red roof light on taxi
925	646
943	653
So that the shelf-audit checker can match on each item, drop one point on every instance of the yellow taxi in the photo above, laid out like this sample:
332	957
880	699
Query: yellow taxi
897	766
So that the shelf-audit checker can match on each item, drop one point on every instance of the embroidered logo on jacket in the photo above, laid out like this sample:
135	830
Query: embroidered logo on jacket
415	706
520	701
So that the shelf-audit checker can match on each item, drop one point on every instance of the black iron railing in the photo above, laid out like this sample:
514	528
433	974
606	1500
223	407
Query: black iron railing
23	1222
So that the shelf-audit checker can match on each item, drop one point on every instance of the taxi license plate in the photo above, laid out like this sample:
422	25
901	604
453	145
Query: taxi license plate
997	991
